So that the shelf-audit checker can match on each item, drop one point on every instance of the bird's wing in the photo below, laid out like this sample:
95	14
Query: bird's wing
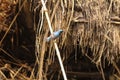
56	34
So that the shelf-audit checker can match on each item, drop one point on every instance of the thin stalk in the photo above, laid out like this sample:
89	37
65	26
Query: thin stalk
55	44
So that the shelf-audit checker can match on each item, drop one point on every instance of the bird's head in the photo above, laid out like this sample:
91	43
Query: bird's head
60	30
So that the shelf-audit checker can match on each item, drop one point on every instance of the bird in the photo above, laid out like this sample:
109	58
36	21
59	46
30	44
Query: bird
55	35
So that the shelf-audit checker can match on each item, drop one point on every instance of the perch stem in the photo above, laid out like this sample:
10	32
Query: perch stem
55	44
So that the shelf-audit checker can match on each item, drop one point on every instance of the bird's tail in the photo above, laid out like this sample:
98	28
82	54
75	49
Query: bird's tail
47	39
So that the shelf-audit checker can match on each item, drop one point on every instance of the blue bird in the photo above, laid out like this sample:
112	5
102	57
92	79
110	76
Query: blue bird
55	35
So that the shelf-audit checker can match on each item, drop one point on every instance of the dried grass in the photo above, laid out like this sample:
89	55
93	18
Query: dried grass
93	25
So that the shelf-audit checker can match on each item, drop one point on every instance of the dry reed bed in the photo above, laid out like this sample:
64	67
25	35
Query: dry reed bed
91	24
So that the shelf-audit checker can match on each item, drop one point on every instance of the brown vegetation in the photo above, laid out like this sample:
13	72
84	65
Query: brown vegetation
89	45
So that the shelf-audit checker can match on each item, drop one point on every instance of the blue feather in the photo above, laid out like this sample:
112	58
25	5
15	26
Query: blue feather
55	35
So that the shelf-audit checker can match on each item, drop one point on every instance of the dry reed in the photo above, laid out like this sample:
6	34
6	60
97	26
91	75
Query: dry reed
91	25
